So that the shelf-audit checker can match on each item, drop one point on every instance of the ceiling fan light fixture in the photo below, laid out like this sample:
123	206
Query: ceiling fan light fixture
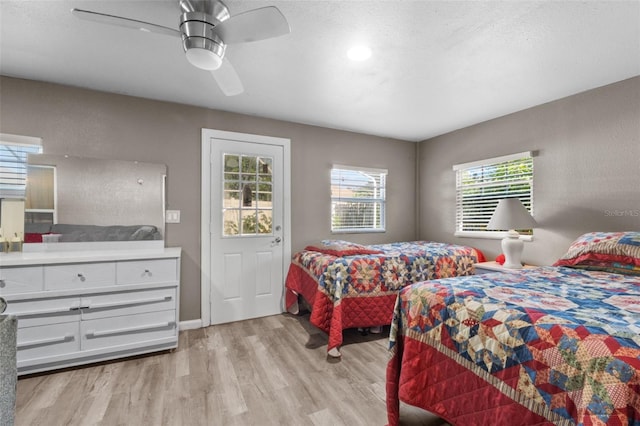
203	59
206	27
202	46
203	53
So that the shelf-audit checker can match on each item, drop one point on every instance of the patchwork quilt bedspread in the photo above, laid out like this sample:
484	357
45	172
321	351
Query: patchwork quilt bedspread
360	290
552	345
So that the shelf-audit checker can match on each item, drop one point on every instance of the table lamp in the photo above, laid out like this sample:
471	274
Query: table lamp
510	214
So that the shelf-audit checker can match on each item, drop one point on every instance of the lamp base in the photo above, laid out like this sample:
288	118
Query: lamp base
512	247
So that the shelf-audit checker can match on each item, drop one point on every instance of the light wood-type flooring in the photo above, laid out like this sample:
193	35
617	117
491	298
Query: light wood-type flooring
267	371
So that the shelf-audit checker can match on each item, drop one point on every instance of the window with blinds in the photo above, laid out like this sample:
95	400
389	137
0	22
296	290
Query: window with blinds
357	199
481	184
14	151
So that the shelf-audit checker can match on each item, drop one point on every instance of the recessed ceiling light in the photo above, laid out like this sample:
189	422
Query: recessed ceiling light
359	53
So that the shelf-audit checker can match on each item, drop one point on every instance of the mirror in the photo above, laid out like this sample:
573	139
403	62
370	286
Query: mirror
74	199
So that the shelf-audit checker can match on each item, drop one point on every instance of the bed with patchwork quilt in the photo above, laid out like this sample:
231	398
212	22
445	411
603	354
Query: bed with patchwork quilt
553	345
348	285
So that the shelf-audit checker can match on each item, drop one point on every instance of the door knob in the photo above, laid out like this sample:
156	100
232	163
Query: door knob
277	240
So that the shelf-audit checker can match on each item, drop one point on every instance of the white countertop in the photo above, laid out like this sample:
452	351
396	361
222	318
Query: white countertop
71	256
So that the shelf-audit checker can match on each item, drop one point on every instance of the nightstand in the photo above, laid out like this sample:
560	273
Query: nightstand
493	266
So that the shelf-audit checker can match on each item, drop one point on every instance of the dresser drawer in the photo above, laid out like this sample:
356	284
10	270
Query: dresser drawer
147	271
79	275
128	303
126	330
15	280
36	312
47	340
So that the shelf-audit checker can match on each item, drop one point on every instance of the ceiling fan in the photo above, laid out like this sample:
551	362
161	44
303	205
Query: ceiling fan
206	28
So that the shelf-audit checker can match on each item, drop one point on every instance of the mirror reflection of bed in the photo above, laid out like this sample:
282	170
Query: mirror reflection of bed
73	199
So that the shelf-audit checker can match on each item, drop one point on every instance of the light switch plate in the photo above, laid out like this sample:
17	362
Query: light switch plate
172	216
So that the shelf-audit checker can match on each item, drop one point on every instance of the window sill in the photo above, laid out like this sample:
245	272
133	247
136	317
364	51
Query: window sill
358	231
489	235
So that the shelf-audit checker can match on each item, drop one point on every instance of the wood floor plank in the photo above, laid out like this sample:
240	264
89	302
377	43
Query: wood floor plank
266	371
93	409
230	393
263	361
324	418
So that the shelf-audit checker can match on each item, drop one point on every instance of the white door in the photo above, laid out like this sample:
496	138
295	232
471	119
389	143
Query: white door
246	226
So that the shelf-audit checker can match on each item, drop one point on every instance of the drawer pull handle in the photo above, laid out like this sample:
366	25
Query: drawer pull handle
128	303
51	341
147	272
82	277
2	284
94	334
45	312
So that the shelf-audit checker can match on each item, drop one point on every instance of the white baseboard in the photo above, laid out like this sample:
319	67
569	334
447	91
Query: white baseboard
190	325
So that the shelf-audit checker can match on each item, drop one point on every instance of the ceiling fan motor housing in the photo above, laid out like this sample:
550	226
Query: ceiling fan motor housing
203	47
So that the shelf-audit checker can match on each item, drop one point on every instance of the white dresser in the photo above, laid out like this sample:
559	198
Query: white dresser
79	307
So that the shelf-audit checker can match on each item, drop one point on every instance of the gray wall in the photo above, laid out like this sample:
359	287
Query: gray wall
587	169
94	124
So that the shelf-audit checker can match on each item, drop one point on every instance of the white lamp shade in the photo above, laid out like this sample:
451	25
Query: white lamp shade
511	214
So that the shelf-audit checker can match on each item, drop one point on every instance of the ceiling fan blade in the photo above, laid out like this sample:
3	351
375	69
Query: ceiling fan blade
104	18
253	25
228	79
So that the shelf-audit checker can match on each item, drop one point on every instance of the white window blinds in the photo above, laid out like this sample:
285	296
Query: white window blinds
14	151
357	199
481	184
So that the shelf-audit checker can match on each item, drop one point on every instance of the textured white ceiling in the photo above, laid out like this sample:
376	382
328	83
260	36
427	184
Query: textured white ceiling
437	66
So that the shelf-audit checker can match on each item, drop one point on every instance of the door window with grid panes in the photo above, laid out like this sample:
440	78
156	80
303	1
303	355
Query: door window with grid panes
247	200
